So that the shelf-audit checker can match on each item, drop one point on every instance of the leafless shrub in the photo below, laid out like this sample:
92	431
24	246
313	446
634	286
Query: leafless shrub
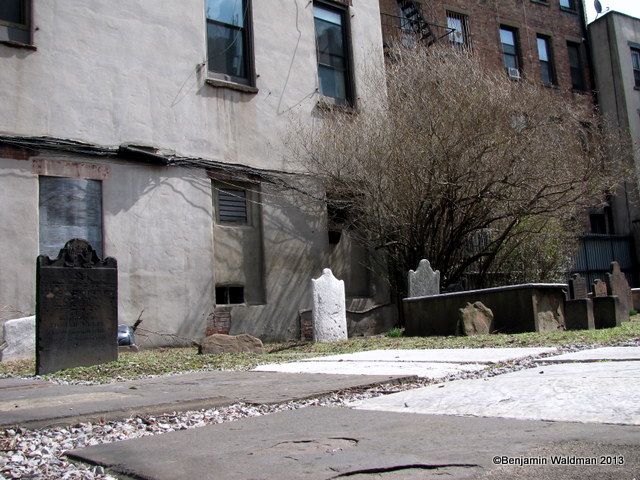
481	175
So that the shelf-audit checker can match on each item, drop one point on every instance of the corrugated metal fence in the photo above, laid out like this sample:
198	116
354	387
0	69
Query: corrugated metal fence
596	253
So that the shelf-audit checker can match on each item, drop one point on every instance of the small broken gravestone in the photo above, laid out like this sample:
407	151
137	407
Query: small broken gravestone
577	287
19	339
599	289
220	343
475	319
618	286
329	312
578	310
423	281
76	309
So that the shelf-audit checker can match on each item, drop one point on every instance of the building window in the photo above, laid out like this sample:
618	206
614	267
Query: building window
575	64
635	58
69	208
568	5
15	21
459	26
510	50
229	40
232	205
547	73
332	48
229	295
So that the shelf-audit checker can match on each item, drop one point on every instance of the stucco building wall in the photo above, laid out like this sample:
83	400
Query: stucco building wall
110	75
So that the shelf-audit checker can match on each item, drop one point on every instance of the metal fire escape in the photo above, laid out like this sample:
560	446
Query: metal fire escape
413	18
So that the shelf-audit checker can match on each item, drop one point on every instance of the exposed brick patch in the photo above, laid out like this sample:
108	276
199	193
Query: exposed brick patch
15	153
219	321
306	326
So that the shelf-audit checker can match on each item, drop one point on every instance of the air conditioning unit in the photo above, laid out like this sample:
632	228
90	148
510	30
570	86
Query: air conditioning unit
514	73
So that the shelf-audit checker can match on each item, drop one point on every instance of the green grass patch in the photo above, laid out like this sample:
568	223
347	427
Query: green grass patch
161	361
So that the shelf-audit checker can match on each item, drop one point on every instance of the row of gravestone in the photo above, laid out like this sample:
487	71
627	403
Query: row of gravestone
608	304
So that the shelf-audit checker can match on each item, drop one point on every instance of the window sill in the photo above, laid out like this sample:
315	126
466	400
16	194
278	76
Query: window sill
637	88
584	91
541	2
569	10
217	83
12	44
328	104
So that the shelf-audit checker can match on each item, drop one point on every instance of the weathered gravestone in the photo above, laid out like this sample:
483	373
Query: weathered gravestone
578	310
618	286
607	311
329	311
19	339
76	309
475	319
423	281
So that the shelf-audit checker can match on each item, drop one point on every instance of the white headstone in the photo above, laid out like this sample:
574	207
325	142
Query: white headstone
329	313
424	281
19	339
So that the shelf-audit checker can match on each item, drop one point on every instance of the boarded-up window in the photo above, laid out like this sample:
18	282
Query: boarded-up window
69	208
232	205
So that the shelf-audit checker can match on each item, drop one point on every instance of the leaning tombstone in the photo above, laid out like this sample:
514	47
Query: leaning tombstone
578	309
76	309
607	312
618	286
329	312
423	281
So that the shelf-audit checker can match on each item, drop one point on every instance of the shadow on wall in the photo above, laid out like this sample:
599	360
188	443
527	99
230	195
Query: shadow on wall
295	251
158	223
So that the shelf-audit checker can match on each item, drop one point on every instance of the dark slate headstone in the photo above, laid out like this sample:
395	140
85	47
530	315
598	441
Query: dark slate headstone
608	312
577	287
578	314
618	286
599	288
76	309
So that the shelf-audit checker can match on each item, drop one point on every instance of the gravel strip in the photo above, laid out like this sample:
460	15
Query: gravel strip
39	454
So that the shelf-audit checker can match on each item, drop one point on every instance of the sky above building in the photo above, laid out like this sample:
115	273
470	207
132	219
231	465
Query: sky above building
630	7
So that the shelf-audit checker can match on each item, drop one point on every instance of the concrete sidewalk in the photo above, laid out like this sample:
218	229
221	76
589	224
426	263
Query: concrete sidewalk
29	403
333	443
427	363
599	392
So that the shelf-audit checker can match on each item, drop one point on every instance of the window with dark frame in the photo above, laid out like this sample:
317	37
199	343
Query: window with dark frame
229	294
576	66
510	50
545	57
459	24
228	40
232	205
635	59
15	21
332	48
568	5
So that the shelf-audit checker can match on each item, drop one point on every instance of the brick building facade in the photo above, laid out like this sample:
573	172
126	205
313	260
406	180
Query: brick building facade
559	24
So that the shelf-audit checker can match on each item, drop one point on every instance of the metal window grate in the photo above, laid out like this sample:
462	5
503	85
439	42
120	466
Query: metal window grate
458	24
232	205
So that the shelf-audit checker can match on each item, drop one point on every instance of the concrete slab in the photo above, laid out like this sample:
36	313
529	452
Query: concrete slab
335	443
599	354
439	355
607	392
420	369
47	404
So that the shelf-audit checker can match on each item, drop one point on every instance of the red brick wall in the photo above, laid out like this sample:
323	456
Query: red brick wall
219	321
528	16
